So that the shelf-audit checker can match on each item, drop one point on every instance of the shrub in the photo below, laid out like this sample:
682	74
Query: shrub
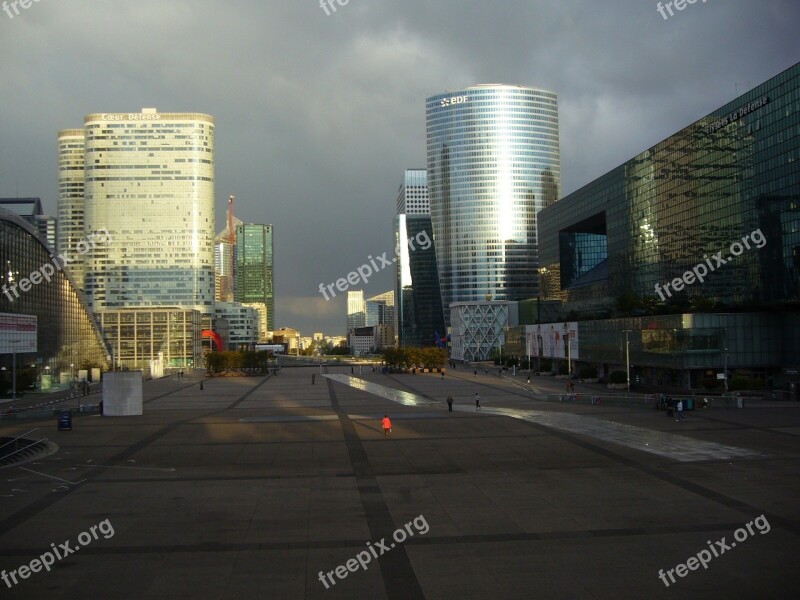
618	377
588	372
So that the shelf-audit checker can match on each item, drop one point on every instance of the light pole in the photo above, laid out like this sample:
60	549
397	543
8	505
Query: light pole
725	357
628	359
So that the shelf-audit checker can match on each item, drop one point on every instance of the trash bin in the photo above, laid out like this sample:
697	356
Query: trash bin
690	404
65	420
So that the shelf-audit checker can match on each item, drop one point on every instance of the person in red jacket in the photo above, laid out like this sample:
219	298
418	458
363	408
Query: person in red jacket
387	425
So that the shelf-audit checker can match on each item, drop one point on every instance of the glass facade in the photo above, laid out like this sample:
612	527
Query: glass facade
727	185
356	310
694	244
493	163
138	336
255	267
71	171
420	320
67	332
149	181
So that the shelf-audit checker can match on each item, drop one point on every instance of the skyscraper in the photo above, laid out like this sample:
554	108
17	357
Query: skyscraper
149	180
71	175
493	163
356	311
255	267
418	312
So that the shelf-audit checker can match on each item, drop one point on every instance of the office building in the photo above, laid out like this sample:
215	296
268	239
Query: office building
493	163
33	283
149	181
255	267
692	247
356	310
379	310
240	331
30	209
71	176
419	316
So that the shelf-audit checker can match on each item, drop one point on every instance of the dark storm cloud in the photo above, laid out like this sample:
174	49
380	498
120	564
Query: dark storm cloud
318	116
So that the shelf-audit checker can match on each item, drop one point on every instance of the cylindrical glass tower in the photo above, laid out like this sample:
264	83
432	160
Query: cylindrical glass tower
493	163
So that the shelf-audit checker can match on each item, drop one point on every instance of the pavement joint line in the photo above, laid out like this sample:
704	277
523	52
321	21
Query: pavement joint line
790	525
396	565
468	538
23	515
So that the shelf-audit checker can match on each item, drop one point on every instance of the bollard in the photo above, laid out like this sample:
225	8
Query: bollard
312	379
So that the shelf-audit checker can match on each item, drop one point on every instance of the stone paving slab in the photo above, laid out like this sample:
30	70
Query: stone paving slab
253	486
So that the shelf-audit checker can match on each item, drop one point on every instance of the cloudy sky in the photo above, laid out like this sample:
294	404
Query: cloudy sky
318	115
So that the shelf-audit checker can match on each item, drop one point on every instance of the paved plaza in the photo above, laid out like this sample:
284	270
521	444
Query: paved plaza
277	487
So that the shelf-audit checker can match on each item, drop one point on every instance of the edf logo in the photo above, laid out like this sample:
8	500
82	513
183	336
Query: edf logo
454	100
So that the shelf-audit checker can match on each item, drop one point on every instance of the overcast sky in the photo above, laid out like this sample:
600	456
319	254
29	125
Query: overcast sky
317	115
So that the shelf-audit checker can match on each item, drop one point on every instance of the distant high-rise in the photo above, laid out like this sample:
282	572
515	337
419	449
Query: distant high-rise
149	180
71	176
418	311
493	163
30	209
255	267
356	310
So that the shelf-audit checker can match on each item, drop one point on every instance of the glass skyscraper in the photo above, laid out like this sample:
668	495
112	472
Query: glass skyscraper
149	181
418	311
493	163
71	174
255	267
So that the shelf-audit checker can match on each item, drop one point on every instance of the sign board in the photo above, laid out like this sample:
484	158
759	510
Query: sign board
17	333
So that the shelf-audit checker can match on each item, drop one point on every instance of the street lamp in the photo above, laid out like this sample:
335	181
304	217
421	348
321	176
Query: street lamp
725	357
628	359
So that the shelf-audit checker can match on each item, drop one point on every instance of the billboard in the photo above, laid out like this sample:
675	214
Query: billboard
553	340
17	333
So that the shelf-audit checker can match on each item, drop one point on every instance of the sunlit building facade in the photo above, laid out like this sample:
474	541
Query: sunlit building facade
419	317
149	181
33	282
71	176
493	163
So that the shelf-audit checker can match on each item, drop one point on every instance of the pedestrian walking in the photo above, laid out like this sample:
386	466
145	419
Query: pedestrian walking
387	425
529	378
442	373
477	401
475	372
351	370
449	404
679	414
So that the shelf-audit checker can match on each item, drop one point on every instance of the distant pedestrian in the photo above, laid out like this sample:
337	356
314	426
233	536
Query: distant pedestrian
679	414
351	370
529	378
475	372
442	373
450	404
477	401
387	425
